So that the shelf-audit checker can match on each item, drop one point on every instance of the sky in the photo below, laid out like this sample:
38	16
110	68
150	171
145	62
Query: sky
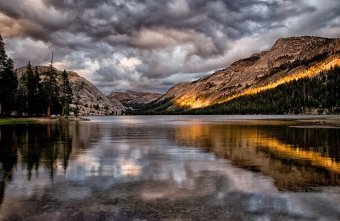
150	45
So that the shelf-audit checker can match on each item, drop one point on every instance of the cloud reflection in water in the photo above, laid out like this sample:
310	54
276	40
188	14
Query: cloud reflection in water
127	171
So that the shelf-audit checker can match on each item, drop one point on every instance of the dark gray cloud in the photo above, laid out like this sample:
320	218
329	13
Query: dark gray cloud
146	44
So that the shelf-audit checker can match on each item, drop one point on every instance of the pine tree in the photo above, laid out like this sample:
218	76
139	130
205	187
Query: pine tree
39	97
51	89
31	89
8	85
33	85
30	97
3	55
3	60
22	94
8	81
66	93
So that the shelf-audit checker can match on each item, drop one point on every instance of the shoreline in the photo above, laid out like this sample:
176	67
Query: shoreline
27	120
332	120
312	121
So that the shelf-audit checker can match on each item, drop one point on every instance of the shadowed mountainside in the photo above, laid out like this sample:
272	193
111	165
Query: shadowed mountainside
133	99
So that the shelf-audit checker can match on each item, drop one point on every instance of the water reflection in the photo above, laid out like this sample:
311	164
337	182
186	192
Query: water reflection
157	170
8	160
297	158
33	146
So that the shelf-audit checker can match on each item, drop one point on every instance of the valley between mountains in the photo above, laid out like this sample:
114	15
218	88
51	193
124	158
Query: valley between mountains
297	75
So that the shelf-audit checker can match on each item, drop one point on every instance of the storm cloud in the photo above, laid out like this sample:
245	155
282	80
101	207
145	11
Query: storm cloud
151	45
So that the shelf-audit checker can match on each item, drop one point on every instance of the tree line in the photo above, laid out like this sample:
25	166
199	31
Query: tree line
30	93
320	94
307	95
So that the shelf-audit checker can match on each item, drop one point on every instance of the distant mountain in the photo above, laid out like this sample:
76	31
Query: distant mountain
89	99
134	99
288	60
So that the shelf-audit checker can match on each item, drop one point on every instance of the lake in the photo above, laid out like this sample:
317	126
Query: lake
171	168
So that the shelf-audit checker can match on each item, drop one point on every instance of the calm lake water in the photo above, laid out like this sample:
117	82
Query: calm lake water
170	168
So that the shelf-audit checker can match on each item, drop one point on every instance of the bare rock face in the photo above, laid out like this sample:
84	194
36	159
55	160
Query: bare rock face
288	59
89	99
129	98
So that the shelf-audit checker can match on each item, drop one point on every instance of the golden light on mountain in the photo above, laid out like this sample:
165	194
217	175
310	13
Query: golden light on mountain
309	72
287	60
194	102
315	158
247	142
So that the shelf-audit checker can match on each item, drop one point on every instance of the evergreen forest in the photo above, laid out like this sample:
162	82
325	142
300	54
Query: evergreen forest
317	95
31	93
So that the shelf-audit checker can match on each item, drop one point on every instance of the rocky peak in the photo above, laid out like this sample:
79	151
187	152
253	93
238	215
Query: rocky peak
288	57
89	99
298	41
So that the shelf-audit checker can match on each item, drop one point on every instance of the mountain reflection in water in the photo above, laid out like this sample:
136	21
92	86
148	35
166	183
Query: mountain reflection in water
297	158
126	168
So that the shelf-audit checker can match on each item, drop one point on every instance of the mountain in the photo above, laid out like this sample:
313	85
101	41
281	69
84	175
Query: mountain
134	99
89	99
319	94
289	59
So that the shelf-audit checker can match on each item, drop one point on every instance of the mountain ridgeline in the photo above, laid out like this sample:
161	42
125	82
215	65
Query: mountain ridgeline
316	95
133	99
86	98
44	91
297	75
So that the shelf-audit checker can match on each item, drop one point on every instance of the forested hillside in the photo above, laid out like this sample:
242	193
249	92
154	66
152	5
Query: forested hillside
316	95
320	94
44	91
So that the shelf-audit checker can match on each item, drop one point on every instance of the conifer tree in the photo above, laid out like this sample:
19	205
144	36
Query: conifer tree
51	89
3	55
39	97
31	89
8	81
22	94
34	97
3	59
66	93
30	98
10	84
